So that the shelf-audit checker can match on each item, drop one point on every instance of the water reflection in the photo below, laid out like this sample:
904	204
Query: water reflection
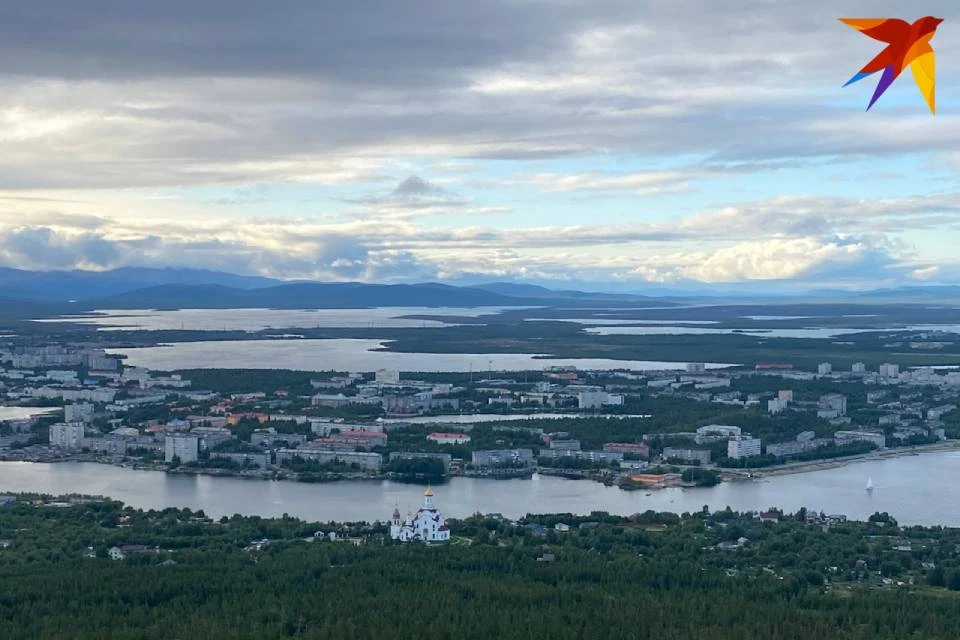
918	489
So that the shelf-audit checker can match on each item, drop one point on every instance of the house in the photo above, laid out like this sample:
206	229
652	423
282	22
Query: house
547	557
768	516
727	545
121	552
561	527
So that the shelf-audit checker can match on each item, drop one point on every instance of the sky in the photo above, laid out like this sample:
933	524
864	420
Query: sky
618	144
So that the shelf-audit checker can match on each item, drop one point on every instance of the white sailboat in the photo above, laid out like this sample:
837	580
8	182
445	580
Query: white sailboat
869	484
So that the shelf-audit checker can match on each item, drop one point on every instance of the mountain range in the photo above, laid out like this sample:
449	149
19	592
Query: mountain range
141	287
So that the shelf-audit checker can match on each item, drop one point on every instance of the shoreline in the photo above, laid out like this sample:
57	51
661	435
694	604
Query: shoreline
726	475
821	465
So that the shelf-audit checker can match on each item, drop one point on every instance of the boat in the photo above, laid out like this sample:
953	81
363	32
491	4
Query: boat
869	484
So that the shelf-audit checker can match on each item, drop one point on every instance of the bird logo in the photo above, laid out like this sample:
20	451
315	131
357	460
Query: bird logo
907	44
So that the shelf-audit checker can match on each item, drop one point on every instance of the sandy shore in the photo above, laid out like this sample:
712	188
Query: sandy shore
819	465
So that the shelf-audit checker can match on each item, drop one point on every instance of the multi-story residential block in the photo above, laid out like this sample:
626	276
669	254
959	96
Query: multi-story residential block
846	437
716	433
67	435
687	455
743	447
888	370
503	457
185	448
365	460
637	448
78	412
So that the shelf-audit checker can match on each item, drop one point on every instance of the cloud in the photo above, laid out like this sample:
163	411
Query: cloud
415	196
147	133
415	186
778	259
708	247
640	182
218	92
925	273
41	247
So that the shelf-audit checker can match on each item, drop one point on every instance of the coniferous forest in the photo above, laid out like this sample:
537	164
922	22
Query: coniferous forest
704	575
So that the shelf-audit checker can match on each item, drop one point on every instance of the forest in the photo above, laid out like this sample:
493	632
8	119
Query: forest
702	575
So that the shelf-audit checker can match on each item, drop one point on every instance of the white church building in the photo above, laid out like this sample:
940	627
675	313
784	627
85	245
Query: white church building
427	525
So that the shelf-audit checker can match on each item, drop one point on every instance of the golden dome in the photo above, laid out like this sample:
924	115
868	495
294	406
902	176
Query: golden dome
428	493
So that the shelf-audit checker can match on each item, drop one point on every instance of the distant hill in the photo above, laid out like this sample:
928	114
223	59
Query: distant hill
63	286
310	295
138	288
931	293
533	291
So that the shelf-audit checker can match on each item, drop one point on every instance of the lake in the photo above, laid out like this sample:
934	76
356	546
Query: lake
260	319
349	354
808	332
500	417
820	333
19	413
915	489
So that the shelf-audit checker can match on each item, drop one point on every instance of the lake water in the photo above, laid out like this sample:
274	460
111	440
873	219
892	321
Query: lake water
809	332
259	319
19	413
757	333
919	489
622	322
347	354
498	417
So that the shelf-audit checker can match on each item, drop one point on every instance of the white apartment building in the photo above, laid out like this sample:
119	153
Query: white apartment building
78	412
75	395
833	403
715	433
66	435
846	437
591	399
888	370
776	405
387	376
743	447
183	447
824	369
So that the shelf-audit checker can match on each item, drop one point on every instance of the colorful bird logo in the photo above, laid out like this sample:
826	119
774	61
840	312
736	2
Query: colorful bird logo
907	44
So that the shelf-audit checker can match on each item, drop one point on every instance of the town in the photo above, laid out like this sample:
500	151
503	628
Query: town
635	429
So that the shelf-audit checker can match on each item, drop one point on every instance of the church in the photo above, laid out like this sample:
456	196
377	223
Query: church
427	525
